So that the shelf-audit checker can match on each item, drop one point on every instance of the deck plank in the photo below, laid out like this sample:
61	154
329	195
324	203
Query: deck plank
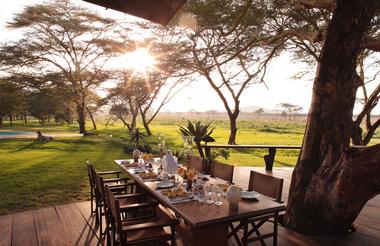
75	225
49	228
24	232
6	230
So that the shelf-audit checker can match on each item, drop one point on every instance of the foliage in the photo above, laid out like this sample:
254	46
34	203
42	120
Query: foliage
76	49
13	100
179	154
137	136
143	147
200	132
215	154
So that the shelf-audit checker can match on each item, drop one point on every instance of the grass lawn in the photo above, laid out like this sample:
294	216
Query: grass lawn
34	174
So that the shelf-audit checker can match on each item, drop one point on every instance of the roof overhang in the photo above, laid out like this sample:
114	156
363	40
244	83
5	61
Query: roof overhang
159	11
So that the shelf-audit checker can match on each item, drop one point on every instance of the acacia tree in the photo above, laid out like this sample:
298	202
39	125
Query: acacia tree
157	90
66	38
228	48
301	25
13	101
124	100
331	181
289	109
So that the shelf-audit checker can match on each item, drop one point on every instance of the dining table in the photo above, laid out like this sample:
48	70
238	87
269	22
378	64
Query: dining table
202	223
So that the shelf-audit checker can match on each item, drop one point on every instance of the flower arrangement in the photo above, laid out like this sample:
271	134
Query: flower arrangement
147	156
186	173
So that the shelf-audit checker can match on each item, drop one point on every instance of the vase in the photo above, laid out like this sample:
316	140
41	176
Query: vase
234	196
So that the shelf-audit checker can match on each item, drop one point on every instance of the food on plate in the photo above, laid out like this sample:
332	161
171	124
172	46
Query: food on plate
131	164
174	193
148	175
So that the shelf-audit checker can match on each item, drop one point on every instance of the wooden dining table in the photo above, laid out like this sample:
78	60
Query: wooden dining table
204	224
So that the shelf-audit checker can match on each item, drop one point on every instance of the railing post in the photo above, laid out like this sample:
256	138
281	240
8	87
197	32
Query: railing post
269	158
207	152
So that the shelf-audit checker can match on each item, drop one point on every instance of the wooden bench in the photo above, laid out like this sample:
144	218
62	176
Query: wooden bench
269	158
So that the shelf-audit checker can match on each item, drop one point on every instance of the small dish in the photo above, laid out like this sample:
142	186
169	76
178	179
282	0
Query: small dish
164	185
249	195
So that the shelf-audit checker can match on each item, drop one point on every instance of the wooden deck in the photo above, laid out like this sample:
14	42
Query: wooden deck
72	224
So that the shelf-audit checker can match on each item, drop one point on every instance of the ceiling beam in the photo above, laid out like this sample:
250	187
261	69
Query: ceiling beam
159	11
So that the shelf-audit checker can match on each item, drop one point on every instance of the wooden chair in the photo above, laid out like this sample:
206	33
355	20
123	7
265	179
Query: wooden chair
139	231
91	172
122	191
266	185
196	163
222	171
269	186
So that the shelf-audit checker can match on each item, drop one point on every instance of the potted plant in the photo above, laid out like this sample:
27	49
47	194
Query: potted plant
200	132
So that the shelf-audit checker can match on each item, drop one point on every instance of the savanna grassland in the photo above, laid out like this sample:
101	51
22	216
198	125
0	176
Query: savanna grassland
35	174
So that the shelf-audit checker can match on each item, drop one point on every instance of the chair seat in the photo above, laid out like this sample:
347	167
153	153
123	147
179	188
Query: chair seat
140	236
143	236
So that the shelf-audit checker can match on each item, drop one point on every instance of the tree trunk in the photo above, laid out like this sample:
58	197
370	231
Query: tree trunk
200	150
233	129
81	110
132	126
1	121
92	118
331	183
145	123
10	120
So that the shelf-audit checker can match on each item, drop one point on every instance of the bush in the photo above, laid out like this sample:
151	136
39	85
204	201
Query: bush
146	148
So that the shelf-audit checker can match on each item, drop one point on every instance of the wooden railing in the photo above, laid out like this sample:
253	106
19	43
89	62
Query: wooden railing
269	158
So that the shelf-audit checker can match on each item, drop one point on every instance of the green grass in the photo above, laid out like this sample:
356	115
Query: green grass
37	174
250	132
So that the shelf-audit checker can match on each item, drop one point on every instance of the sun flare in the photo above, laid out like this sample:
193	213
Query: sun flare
140	60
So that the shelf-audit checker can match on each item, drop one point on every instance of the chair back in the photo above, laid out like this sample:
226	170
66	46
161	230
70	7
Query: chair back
90	172
114	208
196	163
99	187
222	171
266	185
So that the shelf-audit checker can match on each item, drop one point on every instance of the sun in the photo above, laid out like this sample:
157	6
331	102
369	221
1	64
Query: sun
140	60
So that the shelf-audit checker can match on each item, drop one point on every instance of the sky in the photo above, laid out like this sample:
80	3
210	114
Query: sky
280	87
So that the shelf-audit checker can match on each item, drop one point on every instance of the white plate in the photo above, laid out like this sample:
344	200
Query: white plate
249	195
204	176
139	170
164	185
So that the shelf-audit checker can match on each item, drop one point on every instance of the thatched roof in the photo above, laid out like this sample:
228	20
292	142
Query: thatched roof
159	11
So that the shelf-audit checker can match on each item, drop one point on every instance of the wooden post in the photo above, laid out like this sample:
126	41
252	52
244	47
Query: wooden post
269	159
207	152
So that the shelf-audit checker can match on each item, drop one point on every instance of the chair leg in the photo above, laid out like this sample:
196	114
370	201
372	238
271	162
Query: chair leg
172	241
96	213
92	200
100	221
275	229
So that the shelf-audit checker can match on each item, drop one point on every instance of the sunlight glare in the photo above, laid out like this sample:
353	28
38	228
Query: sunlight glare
140	60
